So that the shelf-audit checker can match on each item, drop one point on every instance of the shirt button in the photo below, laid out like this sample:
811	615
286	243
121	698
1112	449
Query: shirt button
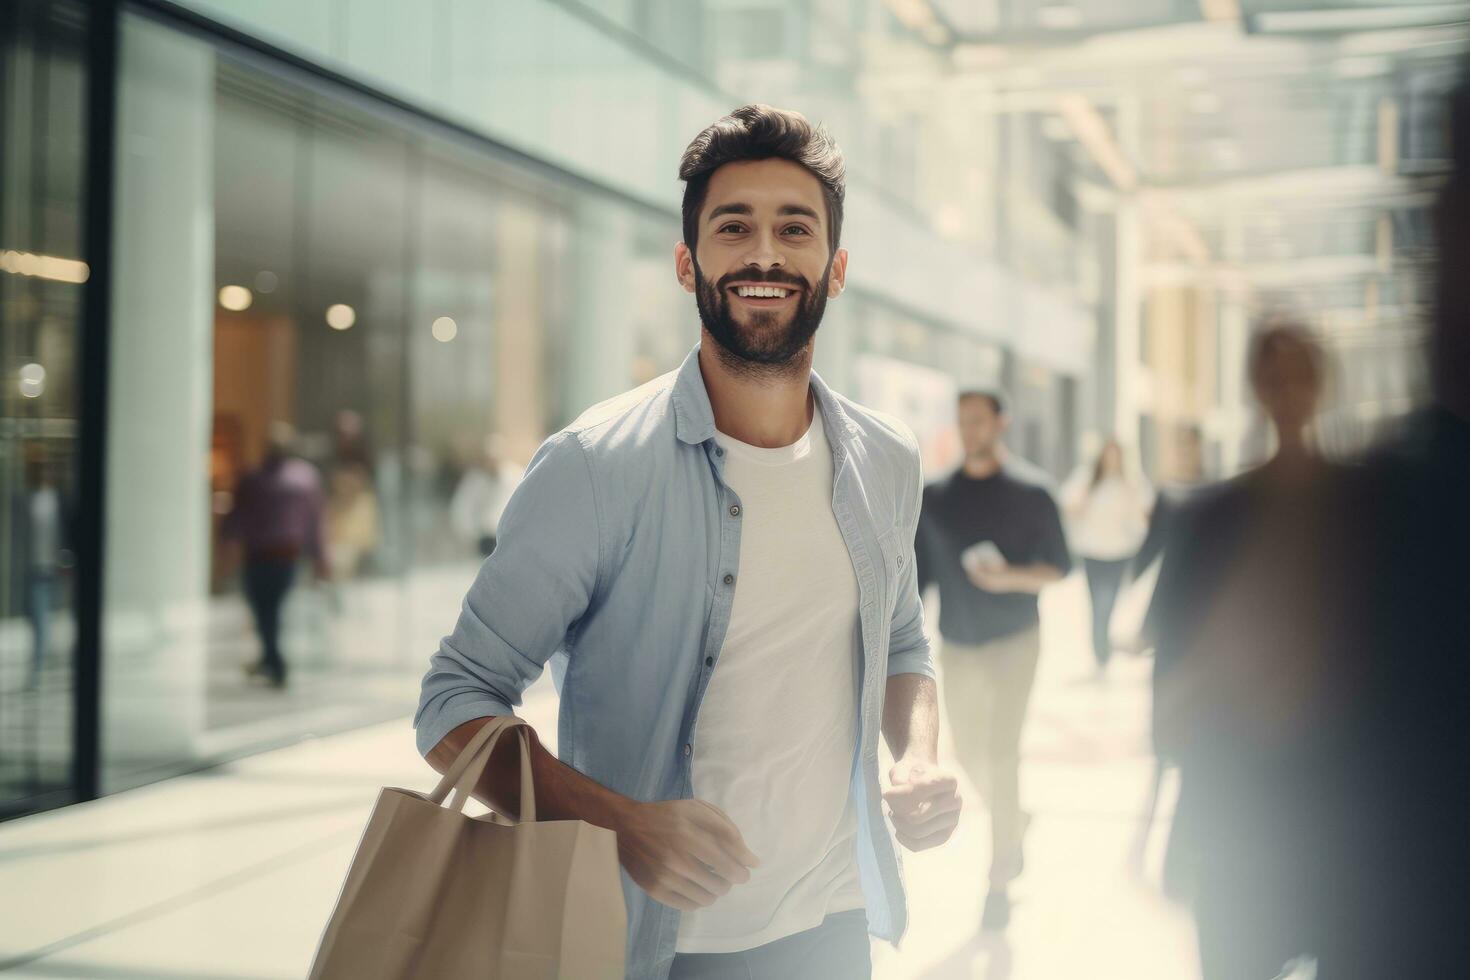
687	748
729	579
719	451
735	510
709	661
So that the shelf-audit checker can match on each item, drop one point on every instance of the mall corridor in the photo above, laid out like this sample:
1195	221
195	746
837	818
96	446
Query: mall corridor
230	873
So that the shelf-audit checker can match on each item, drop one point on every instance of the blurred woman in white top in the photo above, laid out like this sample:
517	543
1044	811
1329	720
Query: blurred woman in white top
1108	510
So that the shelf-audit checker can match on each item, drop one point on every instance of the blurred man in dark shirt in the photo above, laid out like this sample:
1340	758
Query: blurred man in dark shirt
991	541
277	518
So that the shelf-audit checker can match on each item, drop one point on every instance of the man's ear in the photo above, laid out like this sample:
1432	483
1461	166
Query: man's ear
684	266
837	280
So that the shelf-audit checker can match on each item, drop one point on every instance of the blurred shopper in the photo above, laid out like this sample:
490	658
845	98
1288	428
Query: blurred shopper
1108	509
353	531
720	562
1394	894
40	527
481	496
1251	615
278	520
992	542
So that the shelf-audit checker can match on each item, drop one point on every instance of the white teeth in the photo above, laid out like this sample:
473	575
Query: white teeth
761	292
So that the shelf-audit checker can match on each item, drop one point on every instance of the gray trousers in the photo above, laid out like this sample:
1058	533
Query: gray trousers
987	689
836	948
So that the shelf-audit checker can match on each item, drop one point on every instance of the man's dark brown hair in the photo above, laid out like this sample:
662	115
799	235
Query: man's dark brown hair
761	132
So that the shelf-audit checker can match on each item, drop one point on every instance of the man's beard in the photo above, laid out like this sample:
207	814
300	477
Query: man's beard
760	346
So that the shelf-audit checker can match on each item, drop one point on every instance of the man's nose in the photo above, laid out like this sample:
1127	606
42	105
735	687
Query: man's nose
764	253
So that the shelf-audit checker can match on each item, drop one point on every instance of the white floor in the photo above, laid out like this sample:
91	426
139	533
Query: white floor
230	874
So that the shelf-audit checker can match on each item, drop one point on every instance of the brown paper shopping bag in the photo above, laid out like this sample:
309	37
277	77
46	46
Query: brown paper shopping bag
433	893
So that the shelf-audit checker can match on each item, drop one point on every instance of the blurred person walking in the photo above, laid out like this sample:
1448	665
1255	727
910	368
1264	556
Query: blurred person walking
278	517
1250	617
40	523
353	529
718	565
1108	510
481	496
991	541
1394	892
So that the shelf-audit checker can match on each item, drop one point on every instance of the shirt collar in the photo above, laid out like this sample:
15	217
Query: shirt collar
694	417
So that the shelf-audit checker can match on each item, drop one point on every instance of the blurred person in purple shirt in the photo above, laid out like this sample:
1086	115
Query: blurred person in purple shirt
277	518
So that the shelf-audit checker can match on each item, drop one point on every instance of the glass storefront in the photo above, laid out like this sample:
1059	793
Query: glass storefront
338	336
43	78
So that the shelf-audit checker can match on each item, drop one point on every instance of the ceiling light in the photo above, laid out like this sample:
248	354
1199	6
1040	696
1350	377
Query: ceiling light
1097	136
32	381
44	266
340	316
235	298
444	330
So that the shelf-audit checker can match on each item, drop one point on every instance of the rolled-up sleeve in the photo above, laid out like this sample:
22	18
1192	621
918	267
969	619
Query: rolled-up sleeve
526	598
909	651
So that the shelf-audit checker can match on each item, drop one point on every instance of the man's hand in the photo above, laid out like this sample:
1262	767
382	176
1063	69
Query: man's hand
684	853
991	577
925	802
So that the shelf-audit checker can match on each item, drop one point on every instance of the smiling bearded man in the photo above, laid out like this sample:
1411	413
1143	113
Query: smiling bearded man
722	563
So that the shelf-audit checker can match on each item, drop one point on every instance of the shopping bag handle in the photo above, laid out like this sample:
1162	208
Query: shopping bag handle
466	770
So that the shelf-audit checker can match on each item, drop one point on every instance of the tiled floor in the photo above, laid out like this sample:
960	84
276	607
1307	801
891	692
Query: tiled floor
230	874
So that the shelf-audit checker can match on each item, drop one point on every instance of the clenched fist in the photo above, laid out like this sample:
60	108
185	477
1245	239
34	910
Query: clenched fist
925	803
684	853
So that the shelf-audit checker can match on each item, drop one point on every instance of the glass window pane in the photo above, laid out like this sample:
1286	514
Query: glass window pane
42	171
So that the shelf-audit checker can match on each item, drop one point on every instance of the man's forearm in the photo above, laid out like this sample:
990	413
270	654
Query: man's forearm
562	793
911	717
1032	578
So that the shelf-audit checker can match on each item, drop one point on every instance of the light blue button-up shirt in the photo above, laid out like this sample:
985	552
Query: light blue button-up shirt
618	558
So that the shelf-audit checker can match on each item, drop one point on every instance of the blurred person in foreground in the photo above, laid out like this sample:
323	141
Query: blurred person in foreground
991	541
1108	510
1395	891
719	566
1251	619
278	518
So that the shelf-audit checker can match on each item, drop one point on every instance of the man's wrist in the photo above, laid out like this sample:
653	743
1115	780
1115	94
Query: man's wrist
615	812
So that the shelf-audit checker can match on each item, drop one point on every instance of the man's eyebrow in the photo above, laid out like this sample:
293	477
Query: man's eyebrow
731	209
746	209
800	209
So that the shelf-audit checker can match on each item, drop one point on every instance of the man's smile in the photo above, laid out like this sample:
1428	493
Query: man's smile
763	295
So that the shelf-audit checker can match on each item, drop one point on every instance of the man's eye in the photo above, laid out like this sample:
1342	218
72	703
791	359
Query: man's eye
797	229
732	227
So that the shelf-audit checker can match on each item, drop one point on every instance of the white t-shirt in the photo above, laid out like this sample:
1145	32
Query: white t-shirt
1111	518
777	730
